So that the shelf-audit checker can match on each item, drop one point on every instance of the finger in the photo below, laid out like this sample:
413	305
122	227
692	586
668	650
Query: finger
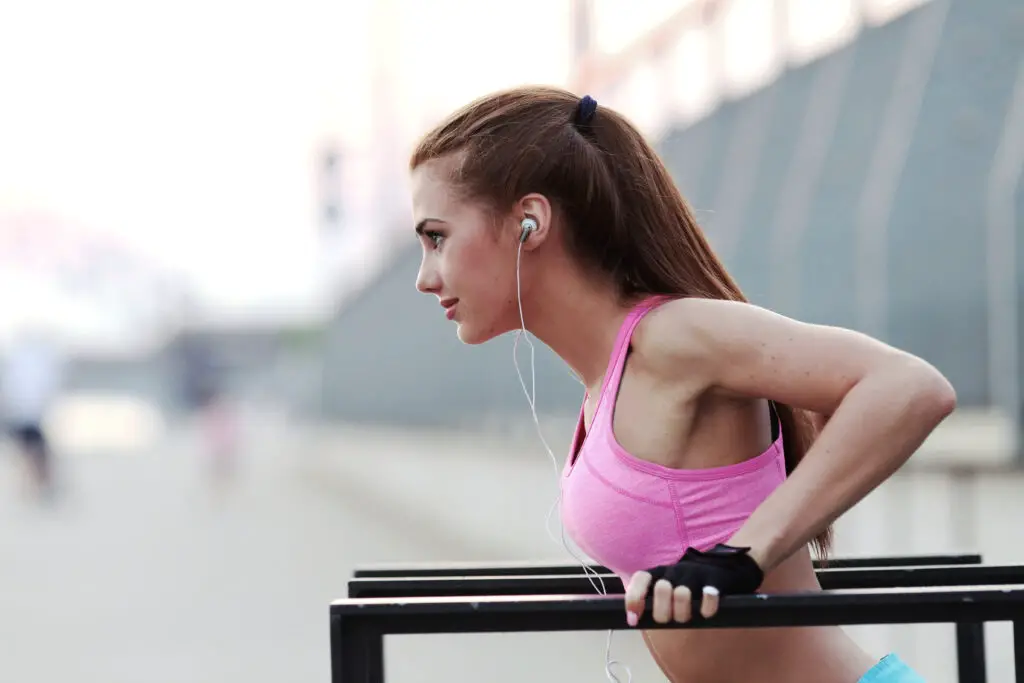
709	602
662	608
636	591
682	603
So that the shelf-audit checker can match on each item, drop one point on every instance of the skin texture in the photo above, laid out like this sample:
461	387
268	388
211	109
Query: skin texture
693	395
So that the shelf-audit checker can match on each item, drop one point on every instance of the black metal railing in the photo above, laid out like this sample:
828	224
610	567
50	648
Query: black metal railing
435	599
358	625
544	569
830	579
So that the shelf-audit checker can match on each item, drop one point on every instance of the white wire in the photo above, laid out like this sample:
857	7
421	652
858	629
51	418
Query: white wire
531	398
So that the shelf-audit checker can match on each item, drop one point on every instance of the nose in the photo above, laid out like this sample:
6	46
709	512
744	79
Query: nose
427	280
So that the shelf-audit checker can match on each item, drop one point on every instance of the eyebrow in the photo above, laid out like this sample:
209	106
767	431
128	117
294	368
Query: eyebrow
422	225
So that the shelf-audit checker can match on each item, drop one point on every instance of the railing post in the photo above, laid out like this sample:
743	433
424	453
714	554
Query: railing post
375	658
357	653
1018	649
970	653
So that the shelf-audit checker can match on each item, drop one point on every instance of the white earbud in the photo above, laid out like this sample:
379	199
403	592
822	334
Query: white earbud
528	225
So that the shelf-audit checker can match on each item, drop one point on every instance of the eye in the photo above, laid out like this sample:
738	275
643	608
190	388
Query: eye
435	238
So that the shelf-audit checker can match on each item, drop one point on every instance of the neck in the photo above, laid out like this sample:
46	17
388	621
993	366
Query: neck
579	321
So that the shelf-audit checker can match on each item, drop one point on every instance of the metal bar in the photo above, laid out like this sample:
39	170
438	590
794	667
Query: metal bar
535	568
830	579
338	645
350	657
536	613
1018	650
970	653
374	648
970	637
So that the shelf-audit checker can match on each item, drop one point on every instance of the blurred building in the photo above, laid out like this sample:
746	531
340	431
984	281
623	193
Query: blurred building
866	175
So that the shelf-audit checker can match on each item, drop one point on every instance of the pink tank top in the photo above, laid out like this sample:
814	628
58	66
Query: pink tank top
629	514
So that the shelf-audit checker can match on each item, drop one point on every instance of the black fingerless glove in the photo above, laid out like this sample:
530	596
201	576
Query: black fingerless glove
731	570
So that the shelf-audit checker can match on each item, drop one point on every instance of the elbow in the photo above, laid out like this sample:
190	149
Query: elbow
941	398
933	394
946	398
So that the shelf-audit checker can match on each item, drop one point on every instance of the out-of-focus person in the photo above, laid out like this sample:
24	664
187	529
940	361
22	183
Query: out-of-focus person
31	379
204	395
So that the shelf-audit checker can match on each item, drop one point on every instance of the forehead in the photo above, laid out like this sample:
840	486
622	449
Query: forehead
432	191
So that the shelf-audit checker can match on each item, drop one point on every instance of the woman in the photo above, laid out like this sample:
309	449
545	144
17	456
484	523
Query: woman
539	209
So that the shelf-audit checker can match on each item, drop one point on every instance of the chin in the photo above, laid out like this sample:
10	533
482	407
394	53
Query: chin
472	336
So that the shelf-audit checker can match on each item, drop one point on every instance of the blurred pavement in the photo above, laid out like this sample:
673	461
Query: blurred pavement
144	573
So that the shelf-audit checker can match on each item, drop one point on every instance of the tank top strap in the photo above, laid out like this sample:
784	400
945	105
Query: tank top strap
613	376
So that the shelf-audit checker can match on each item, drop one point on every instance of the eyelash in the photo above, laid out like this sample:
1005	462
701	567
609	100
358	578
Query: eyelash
434	237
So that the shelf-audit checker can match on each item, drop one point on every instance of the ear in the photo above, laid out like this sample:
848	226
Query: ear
537	207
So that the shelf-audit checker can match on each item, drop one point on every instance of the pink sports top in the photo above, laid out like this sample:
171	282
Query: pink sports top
630	514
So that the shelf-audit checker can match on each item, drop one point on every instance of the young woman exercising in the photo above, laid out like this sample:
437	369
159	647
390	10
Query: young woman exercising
717	440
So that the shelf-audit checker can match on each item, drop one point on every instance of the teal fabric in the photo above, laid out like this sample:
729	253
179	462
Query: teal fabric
891	669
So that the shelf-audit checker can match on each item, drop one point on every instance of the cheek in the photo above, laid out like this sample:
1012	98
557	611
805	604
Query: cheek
483	271
487	282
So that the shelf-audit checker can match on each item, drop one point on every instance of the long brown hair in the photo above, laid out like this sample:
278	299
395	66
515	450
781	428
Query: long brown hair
622	214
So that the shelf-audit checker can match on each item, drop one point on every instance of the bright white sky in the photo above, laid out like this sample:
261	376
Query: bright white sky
190	127
187	127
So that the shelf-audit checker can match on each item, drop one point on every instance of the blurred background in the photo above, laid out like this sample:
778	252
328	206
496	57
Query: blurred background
207	303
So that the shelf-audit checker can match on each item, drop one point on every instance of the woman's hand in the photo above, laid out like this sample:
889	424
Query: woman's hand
698	577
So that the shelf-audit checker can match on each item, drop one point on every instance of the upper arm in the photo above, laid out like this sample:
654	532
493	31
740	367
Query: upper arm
746	350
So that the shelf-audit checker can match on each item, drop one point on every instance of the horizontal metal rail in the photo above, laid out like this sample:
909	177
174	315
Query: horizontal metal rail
542	568
359	625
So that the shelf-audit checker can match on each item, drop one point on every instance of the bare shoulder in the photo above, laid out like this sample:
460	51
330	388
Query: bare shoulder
680	337
716	320
700	331
750	350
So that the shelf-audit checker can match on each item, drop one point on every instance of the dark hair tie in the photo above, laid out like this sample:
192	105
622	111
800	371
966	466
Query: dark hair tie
585	111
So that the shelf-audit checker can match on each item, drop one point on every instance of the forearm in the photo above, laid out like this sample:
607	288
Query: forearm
879	424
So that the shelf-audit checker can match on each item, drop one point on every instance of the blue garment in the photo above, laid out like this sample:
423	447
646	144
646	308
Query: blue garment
891	669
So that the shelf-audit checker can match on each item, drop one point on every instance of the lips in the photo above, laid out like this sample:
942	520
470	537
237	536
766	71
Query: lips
449	307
